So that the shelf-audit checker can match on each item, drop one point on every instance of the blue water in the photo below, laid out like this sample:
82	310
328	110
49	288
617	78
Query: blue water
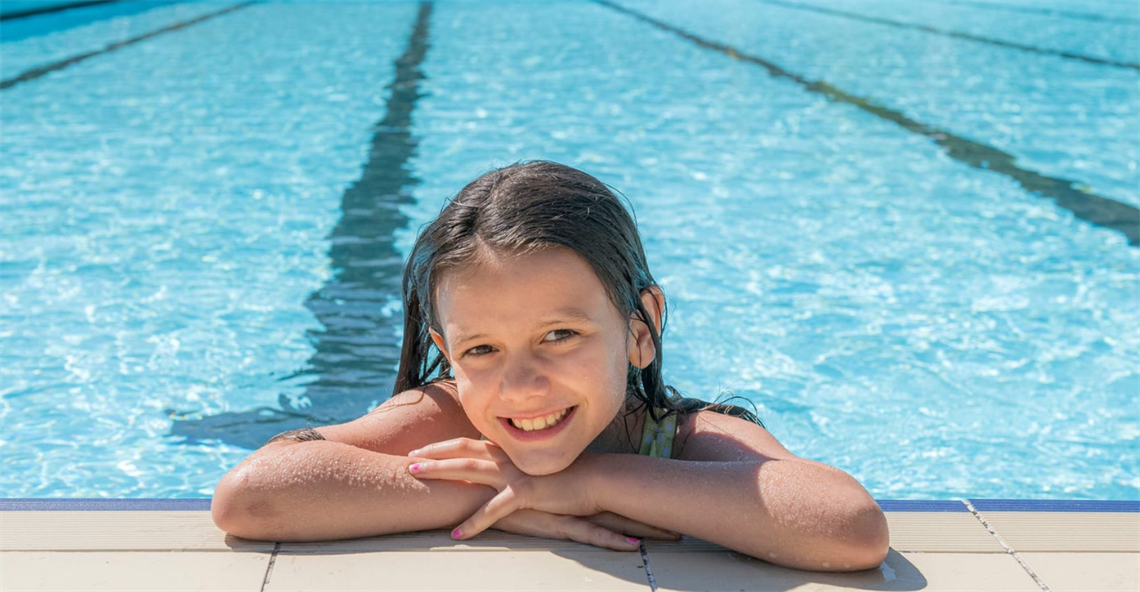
172	213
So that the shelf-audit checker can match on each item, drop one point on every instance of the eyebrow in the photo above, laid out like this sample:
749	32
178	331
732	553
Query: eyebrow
559	316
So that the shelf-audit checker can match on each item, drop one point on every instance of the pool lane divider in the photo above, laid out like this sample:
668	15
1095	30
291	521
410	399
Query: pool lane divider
35	73
36	11
1087	206
955	34
1087	16
358	349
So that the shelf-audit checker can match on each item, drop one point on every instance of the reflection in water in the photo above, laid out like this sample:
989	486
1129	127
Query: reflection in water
358	350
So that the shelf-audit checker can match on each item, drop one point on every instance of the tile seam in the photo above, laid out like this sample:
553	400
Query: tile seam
269	568
1008	549
648	569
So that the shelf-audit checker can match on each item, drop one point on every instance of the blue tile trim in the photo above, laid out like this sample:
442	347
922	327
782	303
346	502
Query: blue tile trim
88	505
922	506
1032	505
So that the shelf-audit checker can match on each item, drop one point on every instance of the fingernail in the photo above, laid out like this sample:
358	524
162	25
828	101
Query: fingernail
633	541
415	467
415	452
456	533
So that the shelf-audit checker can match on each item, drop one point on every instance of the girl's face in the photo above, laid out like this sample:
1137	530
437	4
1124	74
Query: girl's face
539	352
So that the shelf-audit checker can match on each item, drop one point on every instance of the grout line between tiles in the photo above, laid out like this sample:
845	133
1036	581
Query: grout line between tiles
1008	549
648	569
269	568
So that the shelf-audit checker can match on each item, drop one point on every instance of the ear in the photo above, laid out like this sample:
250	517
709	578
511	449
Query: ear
438	340
641	348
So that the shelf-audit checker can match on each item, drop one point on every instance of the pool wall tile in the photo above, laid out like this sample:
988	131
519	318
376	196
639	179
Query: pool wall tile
940	532
1061	531
1024	505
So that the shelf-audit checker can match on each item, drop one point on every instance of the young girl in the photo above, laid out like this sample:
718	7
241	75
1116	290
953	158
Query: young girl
529	399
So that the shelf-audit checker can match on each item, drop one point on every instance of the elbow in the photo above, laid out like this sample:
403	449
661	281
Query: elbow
238	510
867	539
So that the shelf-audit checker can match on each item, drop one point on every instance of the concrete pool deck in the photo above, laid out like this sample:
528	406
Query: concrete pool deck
158	545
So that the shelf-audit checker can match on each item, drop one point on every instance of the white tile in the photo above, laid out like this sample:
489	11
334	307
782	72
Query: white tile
150	571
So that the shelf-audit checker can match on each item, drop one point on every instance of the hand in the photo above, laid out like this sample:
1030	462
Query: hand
606	530
557	498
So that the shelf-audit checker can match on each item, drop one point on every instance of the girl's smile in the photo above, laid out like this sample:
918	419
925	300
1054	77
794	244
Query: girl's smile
539	352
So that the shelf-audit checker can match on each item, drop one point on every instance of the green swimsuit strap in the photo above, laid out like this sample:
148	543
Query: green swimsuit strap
657	437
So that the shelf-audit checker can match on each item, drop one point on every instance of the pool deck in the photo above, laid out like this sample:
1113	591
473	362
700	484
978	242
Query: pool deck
158	545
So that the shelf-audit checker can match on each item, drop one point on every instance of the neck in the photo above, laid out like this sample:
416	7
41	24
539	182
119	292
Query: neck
623	434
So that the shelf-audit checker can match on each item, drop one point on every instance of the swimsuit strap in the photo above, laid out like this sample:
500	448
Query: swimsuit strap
657	437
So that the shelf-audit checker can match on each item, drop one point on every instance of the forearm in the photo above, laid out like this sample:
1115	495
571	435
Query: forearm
324	490
793	512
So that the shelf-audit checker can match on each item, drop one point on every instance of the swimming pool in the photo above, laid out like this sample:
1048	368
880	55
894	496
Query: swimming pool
201	229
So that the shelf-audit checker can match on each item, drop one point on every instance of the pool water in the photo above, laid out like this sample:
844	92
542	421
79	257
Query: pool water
201	232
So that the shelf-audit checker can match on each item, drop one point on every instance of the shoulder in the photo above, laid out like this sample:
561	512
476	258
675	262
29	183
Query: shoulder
711	436
407	421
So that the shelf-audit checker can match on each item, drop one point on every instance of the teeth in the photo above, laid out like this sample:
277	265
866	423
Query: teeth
539	423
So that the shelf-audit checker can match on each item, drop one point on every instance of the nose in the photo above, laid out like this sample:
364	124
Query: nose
523	378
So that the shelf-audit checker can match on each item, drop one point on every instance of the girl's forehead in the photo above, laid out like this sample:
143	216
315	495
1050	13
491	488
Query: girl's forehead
523	284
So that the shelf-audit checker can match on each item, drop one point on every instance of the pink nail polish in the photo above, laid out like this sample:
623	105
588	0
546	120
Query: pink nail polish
633	540
414	467
456	533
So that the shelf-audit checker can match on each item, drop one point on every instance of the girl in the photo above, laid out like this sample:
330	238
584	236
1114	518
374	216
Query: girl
529	399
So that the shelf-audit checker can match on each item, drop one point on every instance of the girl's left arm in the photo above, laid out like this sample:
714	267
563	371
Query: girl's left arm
733	484
736	486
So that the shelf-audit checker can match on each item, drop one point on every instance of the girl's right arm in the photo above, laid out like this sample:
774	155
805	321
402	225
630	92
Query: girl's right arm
355	481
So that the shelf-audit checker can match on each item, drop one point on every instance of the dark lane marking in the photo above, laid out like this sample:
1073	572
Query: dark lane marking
1092	208
357	351
40	71
49	9
991	41
1088	16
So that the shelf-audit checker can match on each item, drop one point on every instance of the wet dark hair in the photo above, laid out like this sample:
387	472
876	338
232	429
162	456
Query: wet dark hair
524	208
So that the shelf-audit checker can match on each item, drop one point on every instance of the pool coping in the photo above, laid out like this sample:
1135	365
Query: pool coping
977	544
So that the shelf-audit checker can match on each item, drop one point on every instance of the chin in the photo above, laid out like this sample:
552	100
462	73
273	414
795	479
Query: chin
537	467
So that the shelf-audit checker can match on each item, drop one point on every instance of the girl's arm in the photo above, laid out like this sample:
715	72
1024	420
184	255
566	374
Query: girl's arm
352	483
733	484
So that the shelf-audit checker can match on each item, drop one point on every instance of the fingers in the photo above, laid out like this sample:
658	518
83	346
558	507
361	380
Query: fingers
461	448
500	506
631	527
588	533
485	472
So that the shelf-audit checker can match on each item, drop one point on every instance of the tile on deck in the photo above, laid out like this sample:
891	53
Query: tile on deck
930	572
125	550
147	571
433	561
1086	572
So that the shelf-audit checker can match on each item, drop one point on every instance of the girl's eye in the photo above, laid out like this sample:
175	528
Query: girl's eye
479	350
560	335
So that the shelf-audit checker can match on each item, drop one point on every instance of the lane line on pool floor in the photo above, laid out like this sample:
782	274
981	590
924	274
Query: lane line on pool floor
1090	207
367	266
1115	20
955	34
37	72
19	14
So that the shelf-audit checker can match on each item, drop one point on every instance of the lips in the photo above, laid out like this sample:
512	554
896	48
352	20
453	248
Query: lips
538	427
540	423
